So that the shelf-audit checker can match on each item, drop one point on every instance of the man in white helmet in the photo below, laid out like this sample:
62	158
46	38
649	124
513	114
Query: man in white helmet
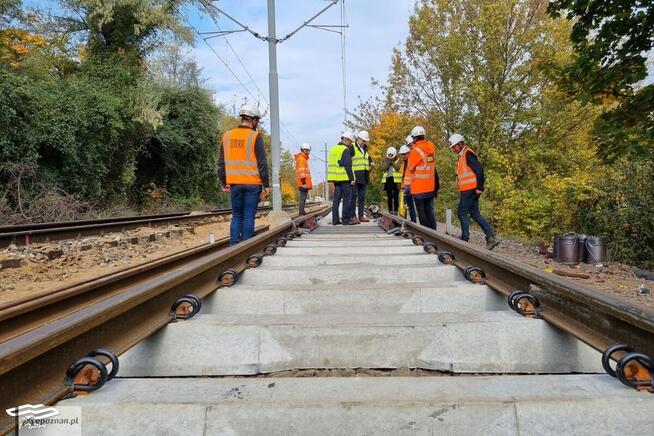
242	171
303	173
361	165
470	183
421	165
406	184
339	166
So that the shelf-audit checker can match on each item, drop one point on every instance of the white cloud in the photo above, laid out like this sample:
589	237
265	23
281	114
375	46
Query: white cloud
309	64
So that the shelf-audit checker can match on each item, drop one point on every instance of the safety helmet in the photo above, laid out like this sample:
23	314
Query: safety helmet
404	149
348	134
455	139
418	131
249	111
364	135
392	151
409	140
305	146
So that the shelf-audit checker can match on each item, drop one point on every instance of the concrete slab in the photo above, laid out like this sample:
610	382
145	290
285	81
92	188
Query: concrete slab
486	342
487	405
263	275
466	298
281	259
295	250
352	243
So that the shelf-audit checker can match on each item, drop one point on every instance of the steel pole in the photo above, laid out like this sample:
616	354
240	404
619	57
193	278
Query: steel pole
274	106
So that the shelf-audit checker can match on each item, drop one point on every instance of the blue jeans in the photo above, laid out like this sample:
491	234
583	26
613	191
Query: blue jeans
245	199
342	191
469	205
408	201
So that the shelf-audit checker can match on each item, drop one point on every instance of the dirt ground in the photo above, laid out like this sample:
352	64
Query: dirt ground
612	278
45	266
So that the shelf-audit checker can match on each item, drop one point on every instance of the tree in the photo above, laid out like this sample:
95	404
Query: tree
611	41
288	179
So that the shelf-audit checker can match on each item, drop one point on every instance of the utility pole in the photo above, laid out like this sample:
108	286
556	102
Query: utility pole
273	84
326	171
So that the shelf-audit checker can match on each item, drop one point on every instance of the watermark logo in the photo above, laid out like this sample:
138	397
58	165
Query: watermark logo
42	420
37	411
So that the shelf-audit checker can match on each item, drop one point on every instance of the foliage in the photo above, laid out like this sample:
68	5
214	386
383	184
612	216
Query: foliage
622	211
611	41
288	178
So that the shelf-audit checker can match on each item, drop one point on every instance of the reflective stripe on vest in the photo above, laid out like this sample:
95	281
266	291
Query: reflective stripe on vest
359	160
466	179
241	167
424	176
335	172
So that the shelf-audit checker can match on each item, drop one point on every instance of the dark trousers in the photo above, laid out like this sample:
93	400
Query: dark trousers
245	199
303	199
342	191
426	212
408	202
358	200
392	195
469	205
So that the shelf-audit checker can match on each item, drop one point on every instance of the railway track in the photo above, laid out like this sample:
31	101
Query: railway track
346	330
27	234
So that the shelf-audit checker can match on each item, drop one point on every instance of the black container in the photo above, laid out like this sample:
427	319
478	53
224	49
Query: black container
595	250
581	247
568	252
555	247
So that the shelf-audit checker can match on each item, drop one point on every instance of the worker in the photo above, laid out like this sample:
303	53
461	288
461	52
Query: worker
392	179
470	183
303	173
340	174
242	171
361	165
421	165
405	187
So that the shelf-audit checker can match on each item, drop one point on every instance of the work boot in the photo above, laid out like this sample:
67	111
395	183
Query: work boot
363	219
354	220
491	242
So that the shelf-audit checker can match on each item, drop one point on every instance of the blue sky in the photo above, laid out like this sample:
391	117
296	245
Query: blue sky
309	64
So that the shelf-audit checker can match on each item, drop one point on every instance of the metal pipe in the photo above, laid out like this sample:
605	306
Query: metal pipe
274	107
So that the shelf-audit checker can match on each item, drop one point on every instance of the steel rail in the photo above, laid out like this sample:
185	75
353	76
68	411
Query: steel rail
593	317
45	335
44	232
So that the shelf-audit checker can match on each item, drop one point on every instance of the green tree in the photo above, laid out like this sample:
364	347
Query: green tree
611	41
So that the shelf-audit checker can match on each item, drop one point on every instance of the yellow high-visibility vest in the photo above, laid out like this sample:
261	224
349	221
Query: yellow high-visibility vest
335	172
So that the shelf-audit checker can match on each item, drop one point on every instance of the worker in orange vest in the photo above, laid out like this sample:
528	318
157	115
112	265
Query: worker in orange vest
303	173
405	187
470	183
243	171
421	166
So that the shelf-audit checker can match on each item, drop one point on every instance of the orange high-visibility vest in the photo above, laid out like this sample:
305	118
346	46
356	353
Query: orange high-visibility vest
240	160
406	179
465	177
303	171
422	167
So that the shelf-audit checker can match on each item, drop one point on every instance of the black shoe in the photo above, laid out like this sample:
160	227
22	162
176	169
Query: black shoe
492	242
464	239
337	223
348	223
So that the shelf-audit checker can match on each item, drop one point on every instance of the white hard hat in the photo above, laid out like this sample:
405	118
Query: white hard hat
348	134
404	149
305	146
418	131
455	139
249	111
364	135
392	151
409	140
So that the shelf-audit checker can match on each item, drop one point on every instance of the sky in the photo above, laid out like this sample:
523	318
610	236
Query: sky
309	63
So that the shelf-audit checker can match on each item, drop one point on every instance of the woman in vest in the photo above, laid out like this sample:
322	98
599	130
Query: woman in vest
470	183
392	178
